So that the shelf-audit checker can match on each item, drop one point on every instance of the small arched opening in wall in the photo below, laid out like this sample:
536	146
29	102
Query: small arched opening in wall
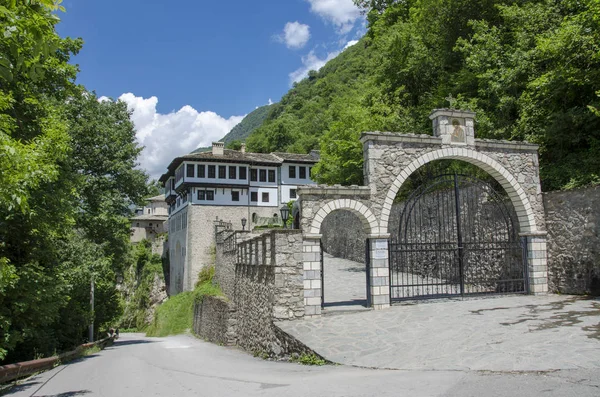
455	217
344	226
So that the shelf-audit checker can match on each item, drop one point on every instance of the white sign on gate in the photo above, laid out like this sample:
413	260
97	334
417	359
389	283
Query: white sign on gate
380	253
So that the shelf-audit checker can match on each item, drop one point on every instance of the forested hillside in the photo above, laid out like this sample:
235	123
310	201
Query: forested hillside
251	122
241	131
67	180
530	69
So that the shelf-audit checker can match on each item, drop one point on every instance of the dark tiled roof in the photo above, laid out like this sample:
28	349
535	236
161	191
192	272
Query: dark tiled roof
297	158
233	155
160	197
150	217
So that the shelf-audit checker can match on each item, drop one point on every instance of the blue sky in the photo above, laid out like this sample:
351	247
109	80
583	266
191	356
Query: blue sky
190	70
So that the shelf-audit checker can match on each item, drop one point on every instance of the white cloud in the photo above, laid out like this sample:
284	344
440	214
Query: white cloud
342	13
350	43
310	62
295	35
270	102
166	136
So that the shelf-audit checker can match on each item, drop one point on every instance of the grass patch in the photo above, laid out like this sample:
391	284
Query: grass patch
91	350
309	359
206	289
175	316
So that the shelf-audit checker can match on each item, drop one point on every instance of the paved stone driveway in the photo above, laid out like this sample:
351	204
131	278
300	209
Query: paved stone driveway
345	284
513	333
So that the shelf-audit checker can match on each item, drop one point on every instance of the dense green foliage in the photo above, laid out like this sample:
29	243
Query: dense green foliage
66	181
252	121
144	272
530	69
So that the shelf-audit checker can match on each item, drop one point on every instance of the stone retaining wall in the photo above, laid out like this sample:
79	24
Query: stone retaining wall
262	277
573	222
215	320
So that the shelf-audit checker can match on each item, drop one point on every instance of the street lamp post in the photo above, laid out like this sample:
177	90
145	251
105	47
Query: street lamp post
91	330
243	223
285	213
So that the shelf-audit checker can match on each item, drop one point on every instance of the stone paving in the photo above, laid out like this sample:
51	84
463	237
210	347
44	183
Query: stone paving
511	333
345	284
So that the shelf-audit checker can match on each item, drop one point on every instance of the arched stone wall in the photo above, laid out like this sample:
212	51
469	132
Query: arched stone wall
389	159
363	212
510	184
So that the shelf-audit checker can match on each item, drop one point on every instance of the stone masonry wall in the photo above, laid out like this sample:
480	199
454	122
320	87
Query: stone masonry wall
267	287
215	320
387	155
198	240
573	222
344	236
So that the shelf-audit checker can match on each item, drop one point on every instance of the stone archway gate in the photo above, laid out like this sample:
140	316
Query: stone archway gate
389	159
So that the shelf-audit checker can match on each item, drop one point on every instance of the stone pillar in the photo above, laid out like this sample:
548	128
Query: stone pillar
537	262
379	272
311	253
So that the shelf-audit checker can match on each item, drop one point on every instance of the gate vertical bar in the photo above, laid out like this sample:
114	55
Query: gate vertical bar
459	236
368	270
322	276
524	243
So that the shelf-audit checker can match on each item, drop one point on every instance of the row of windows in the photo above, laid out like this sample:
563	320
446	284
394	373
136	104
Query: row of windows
264	197
238	172
301	171
209	195
262	175
210	171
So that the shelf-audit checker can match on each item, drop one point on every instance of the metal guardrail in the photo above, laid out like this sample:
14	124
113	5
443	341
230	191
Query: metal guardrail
18	370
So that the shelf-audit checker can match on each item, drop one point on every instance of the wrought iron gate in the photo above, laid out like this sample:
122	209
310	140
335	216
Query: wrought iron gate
457	236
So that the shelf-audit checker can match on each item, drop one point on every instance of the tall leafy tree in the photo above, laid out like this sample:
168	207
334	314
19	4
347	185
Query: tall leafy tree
35	76
67	177
103	165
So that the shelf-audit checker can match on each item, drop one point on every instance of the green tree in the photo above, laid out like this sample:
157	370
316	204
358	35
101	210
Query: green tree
103	165
67	178
35	78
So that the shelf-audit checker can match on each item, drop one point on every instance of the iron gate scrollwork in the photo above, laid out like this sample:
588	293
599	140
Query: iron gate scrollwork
457	236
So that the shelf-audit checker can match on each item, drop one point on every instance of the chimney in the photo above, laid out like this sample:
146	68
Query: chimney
217	148
243	148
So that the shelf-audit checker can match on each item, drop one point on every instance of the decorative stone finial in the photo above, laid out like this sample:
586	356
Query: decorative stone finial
455	127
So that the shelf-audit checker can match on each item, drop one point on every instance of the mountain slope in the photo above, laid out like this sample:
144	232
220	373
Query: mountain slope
251	122
244	128
511	62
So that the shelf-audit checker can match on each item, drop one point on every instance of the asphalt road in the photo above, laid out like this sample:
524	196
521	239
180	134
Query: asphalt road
186	366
